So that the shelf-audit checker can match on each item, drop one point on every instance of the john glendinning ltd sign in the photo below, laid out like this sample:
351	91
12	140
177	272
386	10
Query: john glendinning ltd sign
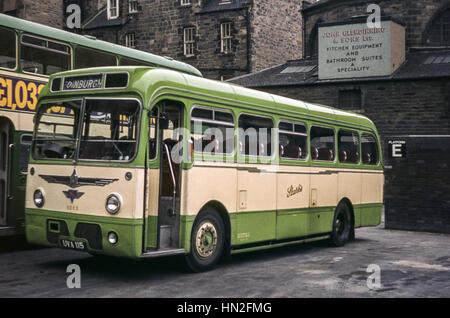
356	50
83	82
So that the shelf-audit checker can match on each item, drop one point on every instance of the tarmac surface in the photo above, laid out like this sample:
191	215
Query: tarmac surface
411	264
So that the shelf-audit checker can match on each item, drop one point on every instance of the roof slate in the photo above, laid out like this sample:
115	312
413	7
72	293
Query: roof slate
419	64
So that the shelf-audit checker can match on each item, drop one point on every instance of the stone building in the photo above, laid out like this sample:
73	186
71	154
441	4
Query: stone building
49	12
400	79
222	38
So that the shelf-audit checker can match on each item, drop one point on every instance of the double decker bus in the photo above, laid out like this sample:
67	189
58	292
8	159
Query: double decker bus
29	53
160	162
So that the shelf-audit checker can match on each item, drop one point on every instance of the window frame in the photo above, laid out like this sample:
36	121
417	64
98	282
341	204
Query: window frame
17	47
94	50
334	143
138	131
343	91
212	121
224	38
349	130
128	40
70	53
190	42
304	124
377	142
272	139
133	6
109	7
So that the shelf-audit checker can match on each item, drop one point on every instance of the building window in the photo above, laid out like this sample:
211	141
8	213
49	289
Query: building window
132	6
439	32
112	9
130	40
350	99
189	41
185	2
225	38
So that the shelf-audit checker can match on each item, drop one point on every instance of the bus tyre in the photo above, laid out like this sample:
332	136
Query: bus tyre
207	241
342	225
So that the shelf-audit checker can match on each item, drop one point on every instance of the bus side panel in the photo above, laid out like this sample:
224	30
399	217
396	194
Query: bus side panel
256	205
372	198
205	182
323	200
350	183
292	201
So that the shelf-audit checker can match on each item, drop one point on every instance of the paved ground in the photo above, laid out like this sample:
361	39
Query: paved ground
412	265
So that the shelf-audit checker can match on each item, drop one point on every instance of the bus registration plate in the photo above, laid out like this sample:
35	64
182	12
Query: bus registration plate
75	245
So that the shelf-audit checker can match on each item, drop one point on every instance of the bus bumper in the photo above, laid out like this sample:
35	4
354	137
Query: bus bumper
84	232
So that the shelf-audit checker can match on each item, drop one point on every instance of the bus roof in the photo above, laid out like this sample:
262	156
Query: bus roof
152	82
92	42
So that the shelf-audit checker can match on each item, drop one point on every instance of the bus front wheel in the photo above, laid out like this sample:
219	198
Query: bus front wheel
342	225
207	241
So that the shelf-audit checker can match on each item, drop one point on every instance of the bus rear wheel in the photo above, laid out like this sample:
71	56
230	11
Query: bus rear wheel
207	241
342	225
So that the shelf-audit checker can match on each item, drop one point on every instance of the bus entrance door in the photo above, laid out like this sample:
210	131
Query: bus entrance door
5	161
170	177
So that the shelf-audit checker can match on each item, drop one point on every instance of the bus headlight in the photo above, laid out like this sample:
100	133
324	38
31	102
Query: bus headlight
38	198
113	203
112	238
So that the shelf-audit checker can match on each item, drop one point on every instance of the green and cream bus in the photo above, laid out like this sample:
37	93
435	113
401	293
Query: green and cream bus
29	53
151	162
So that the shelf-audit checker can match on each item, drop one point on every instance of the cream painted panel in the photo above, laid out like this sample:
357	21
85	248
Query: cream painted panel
257	191
201	184
372	188
325	185
153	192
349	186
13	117
289	181
94	198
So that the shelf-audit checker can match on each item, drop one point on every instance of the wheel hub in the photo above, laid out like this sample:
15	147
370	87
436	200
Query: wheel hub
206	240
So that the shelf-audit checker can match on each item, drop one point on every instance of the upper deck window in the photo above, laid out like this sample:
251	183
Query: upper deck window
293	140
125	61
42	56
85	57
212	131
8	51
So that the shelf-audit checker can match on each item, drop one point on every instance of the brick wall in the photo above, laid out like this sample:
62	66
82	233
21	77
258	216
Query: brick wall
415	14
417	188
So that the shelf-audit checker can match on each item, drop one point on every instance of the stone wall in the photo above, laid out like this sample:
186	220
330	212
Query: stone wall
276	33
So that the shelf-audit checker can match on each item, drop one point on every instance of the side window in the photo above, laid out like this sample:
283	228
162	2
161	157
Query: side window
132	62
85	57
369	149
293	143
42	56
322	143
8	52
212	131
348	146
255	135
